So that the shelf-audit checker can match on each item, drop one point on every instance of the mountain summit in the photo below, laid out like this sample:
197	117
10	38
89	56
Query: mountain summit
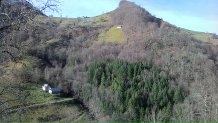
126	3
135	19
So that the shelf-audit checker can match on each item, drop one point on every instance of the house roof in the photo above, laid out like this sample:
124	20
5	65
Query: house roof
55	89
45	85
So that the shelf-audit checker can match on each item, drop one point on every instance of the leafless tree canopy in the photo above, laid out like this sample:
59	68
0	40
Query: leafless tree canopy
15	16
66	50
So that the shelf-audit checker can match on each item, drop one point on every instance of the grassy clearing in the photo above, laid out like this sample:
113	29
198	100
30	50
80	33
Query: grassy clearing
205	37
94	21
60	112
64	22
114	34
48	43
13	81
37	95
67	111
202	36
18	65
88	21
82	21
11	69
55	113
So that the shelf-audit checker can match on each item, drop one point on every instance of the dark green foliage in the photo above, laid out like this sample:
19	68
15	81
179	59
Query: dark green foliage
140	87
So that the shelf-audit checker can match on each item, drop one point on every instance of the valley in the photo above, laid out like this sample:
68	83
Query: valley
123	65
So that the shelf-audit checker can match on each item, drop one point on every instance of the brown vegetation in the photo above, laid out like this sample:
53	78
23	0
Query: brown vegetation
65	52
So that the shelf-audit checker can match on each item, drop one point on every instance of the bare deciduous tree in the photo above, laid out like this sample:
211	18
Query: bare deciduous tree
16	16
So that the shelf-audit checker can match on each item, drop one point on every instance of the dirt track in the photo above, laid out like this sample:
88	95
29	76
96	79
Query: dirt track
38	105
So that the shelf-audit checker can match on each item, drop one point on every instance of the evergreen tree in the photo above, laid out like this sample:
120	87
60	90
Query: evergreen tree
133	91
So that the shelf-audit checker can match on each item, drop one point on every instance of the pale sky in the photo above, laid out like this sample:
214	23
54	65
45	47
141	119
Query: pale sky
198	15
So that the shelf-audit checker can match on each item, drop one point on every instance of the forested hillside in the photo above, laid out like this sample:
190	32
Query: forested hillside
135	91
124	65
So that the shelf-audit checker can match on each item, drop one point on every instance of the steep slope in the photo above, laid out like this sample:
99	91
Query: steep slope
202	36
14	18
135	20
16	10
162	44
150	61
191	63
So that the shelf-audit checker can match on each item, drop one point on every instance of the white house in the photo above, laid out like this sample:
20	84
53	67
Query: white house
46	87
54	90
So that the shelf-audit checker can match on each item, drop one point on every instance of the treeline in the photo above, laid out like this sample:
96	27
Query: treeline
139	91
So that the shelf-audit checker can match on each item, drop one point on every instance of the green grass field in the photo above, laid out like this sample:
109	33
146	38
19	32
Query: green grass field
82	21
202	36
67	111
114	34
205	37
62	112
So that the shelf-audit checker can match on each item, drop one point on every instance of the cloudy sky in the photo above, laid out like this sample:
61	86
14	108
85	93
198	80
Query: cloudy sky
198	15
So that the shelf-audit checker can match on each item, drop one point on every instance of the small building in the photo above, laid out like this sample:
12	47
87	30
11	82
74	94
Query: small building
119	27
46	87
54	90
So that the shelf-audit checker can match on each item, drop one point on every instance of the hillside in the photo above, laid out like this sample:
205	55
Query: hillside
202	36
124	65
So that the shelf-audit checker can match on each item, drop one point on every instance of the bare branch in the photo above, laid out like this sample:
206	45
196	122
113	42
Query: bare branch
9	53
5	27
